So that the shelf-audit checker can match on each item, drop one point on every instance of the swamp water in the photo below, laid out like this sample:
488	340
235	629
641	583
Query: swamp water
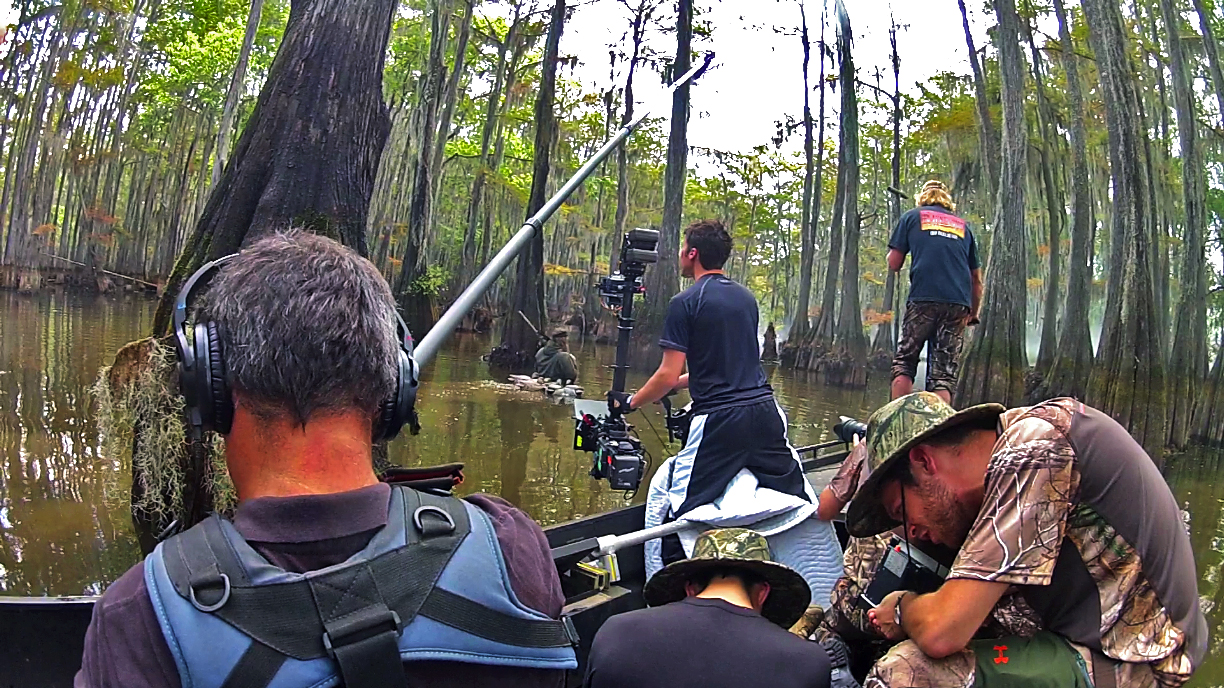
64	522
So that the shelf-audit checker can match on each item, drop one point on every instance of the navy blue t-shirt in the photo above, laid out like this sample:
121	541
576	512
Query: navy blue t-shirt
714	322
944	254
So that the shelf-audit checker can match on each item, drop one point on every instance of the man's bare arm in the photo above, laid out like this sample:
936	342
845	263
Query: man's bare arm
976	298
896	259
943	622
665	379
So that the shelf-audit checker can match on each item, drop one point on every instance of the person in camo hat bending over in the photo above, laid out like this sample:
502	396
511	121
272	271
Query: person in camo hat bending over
717	620
945	289
1054	502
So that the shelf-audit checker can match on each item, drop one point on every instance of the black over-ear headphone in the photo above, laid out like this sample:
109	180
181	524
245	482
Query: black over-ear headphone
201	369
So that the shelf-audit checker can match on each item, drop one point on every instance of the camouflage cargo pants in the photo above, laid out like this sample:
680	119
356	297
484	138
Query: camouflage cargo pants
942	324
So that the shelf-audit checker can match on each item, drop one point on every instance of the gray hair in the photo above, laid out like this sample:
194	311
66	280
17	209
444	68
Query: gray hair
307	326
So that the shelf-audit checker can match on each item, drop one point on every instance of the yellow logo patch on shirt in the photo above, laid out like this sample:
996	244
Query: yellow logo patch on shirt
942	224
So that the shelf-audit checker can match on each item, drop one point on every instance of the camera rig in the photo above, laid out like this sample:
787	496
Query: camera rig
617	453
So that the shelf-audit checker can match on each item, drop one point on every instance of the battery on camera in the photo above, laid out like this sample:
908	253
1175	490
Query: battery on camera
905	567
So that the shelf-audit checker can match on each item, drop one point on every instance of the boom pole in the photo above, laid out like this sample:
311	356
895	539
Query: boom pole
446	325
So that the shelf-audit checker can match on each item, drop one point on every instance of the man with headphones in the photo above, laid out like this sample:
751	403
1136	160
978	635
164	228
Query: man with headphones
323	575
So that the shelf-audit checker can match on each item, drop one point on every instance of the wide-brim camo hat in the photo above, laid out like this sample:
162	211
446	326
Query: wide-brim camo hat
892	431
739	548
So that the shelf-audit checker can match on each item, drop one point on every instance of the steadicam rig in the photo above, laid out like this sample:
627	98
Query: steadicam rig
618	454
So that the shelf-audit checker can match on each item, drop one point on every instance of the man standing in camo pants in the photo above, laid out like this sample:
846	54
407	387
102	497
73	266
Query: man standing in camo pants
945	290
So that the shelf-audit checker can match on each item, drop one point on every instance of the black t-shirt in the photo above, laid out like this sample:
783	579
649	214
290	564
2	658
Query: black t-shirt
714	322
702	643
944	253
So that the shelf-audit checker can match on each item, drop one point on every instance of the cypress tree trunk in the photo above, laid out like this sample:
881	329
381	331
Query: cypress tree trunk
884	344
994	365
1055	211
230	110
415	299
519	341
1188	362
492	109
638	29
846	365
806	222
1068	375
988	136
1128	381
663	280
1212	49
326	77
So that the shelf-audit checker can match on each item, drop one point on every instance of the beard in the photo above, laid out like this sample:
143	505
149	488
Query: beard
951	518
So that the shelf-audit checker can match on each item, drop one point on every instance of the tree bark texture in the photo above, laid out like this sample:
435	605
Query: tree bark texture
884	344
229	111
1188	360
1128	381
663	280
519	340
309	152
492	109
1068	375
846	365
988	136
995	363
415	300
806	222
1055	211
637	31
1211	47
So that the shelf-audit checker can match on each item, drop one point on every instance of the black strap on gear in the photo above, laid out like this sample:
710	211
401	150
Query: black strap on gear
357	612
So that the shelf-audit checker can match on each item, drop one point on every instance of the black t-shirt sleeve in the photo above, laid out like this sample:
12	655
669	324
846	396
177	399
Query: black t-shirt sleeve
676	327
973	253
900	236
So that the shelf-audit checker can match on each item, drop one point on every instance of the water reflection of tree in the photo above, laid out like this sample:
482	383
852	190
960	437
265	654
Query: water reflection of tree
58	534
1194	477
518	429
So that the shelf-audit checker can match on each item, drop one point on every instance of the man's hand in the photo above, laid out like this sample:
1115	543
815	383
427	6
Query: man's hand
618	402
884	617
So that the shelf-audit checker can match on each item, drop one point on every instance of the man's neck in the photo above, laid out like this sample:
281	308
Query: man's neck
281	458
729	590
699	272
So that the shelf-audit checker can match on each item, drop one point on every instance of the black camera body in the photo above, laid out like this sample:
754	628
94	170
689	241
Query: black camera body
906	567
617	455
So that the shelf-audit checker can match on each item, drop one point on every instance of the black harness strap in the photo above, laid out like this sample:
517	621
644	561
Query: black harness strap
256	668
472	617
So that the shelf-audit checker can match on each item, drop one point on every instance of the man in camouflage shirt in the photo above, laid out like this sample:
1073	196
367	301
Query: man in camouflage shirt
1055	504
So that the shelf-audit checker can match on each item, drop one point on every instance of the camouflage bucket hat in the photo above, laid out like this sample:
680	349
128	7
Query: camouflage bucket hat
740	548
892	431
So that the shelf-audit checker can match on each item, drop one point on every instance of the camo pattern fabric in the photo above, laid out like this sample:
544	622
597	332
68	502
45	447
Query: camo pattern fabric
1032	490
943	324
859	563
732	543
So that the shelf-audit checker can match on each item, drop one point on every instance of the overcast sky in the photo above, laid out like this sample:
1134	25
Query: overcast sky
757	77
757	74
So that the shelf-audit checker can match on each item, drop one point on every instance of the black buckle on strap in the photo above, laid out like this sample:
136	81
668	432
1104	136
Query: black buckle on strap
361	627
571	633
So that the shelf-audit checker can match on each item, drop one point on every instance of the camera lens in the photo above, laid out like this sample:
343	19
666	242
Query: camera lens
847	428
